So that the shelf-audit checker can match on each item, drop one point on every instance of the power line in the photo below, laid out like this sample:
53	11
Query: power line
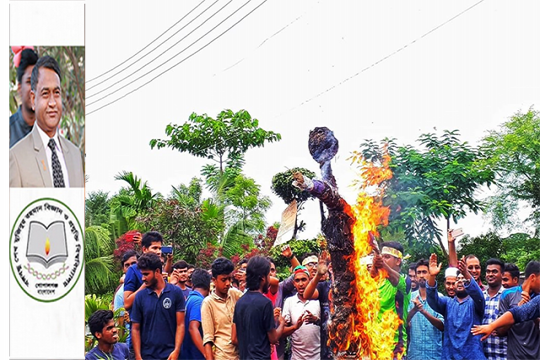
169	48
157	47
178	63
268	38
162	64
380	60
138	52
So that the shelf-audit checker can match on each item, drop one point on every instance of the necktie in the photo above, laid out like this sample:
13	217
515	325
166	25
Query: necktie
58	177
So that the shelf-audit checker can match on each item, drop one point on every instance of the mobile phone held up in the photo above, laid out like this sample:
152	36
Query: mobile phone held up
166	249
457	232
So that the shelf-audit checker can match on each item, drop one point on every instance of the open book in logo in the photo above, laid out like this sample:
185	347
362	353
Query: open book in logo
47	244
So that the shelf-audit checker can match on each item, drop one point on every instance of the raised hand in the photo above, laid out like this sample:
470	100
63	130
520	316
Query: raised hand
451	237
322	269
434	269
462	266
137	238
286	251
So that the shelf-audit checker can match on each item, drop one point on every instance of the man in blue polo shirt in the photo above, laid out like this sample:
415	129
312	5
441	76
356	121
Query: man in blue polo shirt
192	347
151	242
102	326
157	315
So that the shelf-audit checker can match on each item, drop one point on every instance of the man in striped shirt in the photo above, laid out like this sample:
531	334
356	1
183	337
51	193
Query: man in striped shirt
494	346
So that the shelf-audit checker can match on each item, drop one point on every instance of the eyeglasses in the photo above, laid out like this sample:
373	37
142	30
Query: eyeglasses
312	264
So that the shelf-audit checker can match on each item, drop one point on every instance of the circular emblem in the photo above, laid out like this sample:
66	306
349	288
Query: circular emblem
46	250
167	303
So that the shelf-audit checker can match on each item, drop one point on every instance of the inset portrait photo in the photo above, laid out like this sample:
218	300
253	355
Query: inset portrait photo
46	125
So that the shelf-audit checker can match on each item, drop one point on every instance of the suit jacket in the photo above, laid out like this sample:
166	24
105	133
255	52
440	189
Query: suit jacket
28	165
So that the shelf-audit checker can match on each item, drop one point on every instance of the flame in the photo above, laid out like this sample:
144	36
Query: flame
47	246
372	336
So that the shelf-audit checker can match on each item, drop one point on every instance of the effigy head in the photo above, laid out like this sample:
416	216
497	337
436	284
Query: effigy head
323	145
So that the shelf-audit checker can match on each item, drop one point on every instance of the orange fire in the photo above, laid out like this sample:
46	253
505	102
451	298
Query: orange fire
372	335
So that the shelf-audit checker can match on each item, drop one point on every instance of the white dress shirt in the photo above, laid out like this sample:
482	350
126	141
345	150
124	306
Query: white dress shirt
45	139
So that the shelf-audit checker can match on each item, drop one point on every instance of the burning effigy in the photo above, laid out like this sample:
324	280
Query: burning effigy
357	329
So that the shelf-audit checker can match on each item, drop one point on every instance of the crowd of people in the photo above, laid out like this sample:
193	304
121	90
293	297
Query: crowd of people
228	312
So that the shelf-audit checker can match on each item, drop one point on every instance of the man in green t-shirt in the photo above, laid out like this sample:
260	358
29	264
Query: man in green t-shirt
395	289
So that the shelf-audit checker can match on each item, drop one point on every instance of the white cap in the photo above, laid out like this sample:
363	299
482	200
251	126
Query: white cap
451	272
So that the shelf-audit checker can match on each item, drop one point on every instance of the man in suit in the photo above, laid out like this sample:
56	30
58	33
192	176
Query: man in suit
44	158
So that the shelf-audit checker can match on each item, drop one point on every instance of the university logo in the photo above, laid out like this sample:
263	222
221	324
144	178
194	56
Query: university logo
167	303
46	250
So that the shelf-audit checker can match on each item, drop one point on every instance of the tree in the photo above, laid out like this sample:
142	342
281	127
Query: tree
514	152
130	203
185	220
97	209
282	187
437	181
100	277
518	248
244	214
224	140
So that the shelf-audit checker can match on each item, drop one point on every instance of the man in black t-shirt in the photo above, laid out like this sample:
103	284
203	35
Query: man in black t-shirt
254	319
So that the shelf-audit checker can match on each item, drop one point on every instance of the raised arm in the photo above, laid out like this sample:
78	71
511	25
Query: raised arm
473	289
287	252
437	303
452	253
311	291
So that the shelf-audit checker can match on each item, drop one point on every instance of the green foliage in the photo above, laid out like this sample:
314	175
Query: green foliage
521	248
97	208
190	195
299	248
485	246
282	186
142	196
437	181
129	204
224	139
187	230
71	60
514	153
93	303
100	276
248	204
518	248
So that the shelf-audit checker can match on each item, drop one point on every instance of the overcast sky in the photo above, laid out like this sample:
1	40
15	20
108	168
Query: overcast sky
366	70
